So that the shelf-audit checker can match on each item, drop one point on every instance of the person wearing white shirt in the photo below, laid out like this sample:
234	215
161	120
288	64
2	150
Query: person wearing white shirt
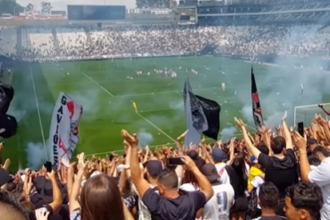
319	174
219	157
218	207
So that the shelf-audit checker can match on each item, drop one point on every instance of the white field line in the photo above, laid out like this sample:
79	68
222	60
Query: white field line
38	111
104	89
155	126
152	124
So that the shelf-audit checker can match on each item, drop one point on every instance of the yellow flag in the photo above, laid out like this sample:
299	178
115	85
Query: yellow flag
135	107
223	85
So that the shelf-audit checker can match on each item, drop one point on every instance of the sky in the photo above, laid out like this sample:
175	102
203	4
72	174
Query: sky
62	4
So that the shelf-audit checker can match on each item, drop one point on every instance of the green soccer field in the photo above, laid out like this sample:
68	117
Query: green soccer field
106	94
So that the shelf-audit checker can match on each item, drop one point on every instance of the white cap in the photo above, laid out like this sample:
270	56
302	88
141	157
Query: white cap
95	173
120	168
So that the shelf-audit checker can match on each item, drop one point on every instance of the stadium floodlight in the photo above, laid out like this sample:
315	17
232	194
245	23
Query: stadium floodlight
306	113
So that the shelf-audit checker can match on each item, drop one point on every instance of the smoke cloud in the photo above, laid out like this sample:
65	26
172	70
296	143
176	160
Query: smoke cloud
144	137
280	87
228	133
35	155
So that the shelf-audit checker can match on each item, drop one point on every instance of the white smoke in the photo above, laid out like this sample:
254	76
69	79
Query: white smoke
19	114
247	113
145	138
36	156
89	99
228	133
280	87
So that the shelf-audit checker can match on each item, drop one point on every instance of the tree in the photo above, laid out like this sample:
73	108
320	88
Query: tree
46	8
10	7
29	8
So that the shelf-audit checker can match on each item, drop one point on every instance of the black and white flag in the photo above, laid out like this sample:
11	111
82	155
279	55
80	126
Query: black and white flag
202	116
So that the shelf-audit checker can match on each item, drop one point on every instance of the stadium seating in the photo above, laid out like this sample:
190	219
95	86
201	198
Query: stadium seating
8	41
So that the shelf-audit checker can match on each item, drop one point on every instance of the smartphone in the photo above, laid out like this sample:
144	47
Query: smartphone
175	161
49	167
301	128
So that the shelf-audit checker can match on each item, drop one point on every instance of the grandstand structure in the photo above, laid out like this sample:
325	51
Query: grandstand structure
21	34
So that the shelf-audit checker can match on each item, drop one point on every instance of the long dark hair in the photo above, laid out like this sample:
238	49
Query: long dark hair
101	199
241	172
189	177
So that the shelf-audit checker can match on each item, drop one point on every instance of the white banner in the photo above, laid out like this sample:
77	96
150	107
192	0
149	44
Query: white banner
64	132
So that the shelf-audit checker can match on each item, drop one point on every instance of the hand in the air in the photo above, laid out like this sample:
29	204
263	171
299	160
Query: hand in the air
130	139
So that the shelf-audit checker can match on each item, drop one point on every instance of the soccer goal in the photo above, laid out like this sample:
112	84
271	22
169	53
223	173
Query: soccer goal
306	113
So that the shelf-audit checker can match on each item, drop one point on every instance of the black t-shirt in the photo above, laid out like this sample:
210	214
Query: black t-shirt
62	213
281	172
181	208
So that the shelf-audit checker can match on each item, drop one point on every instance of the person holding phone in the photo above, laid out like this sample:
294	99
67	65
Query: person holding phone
168	204
49	209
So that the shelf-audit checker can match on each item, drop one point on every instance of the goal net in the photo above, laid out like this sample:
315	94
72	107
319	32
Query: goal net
306	113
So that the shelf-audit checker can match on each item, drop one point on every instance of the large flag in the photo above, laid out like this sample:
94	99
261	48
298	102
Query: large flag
202	116
64	132
256	107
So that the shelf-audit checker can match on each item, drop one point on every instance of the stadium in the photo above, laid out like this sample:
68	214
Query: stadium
190	109
211	42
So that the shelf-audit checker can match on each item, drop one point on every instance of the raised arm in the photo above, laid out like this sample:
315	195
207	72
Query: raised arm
300	144
180	139
266	139
231	151
203	182
73	199
57	194
324	124
136	174
324	110
286	133
249	146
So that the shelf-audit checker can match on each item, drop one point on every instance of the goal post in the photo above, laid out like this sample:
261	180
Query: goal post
306	113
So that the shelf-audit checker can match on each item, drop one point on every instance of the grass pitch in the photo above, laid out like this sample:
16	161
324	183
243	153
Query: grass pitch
106	94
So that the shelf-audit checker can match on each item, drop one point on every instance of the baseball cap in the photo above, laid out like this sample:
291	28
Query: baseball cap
4	177
154	168
39	183
253	159
120	168
95	173
218	155
193	154
210	172
311	141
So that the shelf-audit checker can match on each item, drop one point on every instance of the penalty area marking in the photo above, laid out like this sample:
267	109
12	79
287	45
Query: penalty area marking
38	111
152	124
141	116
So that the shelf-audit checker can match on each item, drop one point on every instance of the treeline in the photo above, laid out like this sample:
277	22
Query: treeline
10	7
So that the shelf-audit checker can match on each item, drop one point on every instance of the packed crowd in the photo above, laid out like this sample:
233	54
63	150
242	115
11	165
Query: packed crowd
136	41
262	176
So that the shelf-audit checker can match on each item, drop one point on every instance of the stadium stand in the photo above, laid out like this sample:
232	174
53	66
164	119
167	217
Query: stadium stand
235	180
